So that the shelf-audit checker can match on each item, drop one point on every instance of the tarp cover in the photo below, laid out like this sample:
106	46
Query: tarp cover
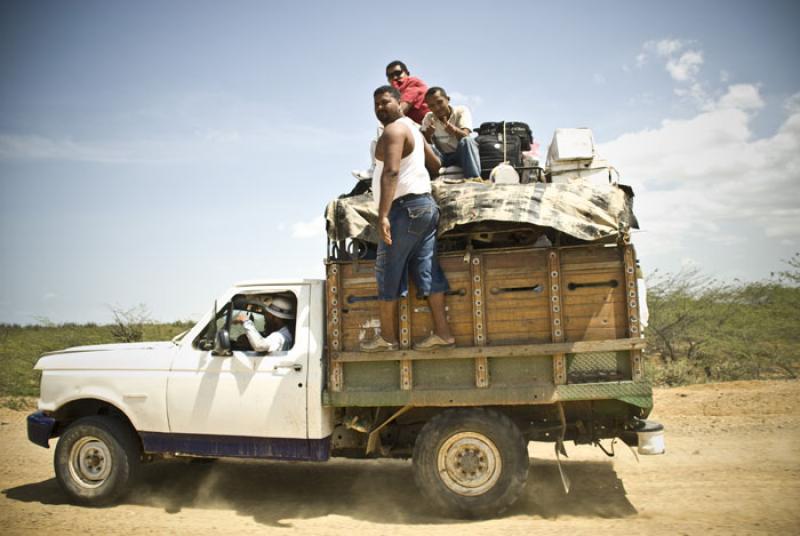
580	209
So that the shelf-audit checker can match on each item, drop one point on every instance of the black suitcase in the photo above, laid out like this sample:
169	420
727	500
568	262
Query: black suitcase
513	128
490	149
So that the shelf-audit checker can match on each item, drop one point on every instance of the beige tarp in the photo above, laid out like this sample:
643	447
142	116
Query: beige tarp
580	209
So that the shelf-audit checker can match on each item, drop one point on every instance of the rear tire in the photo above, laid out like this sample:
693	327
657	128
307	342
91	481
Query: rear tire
96	459
471	463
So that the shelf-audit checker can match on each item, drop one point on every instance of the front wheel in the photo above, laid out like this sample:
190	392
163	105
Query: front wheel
471	462
96	459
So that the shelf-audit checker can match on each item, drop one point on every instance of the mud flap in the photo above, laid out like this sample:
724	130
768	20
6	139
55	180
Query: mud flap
559	447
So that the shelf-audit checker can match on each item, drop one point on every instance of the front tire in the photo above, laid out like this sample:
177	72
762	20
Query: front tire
471	463
96	459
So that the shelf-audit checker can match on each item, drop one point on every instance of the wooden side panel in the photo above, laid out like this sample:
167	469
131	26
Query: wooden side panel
497	298
458	303
593	288
516	298
358	295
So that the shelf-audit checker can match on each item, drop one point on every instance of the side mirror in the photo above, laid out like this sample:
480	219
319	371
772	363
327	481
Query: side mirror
222	344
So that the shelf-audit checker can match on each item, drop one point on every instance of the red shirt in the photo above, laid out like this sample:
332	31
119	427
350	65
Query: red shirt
412	90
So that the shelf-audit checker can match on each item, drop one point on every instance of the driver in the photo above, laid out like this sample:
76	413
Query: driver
279	323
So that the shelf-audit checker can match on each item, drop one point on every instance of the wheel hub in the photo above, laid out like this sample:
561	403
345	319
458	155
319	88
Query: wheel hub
469	463
90	462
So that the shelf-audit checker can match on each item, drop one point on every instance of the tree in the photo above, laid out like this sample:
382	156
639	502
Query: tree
129	323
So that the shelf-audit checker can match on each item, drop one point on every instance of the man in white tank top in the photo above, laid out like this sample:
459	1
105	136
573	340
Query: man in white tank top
407	221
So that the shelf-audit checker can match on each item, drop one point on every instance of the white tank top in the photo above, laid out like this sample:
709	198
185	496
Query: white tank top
413	177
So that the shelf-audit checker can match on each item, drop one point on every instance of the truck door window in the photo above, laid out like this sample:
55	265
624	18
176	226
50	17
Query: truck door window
255	307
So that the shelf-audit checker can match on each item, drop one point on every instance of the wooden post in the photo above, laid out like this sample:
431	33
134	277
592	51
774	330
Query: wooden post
556	323
406	370
334	327
479	321
632	302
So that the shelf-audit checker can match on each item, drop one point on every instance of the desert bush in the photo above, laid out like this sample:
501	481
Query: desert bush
705	330
21	347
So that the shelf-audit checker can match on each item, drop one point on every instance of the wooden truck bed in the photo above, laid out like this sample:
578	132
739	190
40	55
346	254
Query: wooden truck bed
532	326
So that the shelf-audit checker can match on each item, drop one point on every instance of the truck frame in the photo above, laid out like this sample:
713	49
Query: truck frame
548	348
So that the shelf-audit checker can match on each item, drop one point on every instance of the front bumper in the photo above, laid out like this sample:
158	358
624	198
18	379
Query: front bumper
40	428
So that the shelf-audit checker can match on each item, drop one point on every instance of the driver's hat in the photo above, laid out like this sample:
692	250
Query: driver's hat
281	307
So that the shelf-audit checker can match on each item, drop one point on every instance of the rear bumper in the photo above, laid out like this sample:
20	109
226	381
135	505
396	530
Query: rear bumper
40	428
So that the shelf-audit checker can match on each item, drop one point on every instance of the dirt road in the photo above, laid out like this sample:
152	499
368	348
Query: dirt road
730	468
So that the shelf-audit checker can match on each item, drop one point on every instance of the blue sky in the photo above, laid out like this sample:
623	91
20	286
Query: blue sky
156	152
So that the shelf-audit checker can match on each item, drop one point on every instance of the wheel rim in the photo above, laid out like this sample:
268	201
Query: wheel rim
469	463
90	462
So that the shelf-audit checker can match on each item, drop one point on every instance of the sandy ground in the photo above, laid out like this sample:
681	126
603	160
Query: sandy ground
730	468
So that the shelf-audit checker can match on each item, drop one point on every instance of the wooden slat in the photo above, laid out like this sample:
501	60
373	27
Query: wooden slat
534	259
618	320
529	325
589	255
592	277
594	334
507	314
521	350
587	296
572	310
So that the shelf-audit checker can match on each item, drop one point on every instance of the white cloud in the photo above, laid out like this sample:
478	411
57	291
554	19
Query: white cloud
696	177
695	92
470	101
685	67
682	59
598	79
792	104
743	97
310	229
667	47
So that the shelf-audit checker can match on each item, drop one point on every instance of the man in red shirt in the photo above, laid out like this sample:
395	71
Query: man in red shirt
412	90
412	102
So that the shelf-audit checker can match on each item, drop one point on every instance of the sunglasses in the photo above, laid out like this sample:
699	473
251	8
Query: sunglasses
394	74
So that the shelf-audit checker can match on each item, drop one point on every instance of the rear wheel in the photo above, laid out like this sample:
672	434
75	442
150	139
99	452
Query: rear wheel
471	462
96	459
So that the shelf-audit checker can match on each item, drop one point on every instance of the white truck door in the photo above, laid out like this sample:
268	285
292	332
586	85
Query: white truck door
245	394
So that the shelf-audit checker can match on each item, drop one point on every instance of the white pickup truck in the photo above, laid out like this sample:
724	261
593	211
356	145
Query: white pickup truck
522	370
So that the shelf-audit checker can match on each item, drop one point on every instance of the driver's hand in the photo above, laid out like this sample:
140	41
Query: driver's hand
241	318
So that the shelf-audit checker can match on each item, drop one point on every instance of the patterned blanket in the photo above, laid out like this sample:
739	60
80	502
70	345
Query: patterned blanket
582	210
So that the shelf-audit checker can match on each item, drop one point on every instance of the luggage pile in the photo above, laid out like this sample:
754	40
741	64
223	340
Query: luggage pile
572	156
510	143
572	201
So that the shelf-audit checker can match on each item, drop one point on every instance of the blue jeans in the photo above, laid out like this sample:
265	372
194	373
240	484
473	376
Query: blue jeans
466	157
413	220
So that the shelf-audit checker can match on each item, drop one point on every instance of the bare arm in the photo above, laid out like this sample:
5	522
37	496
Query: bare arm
432	162
392	142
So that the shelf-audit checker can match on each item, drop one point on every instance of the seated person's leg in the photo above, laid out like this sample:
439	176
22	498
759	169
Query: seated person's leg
468	157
